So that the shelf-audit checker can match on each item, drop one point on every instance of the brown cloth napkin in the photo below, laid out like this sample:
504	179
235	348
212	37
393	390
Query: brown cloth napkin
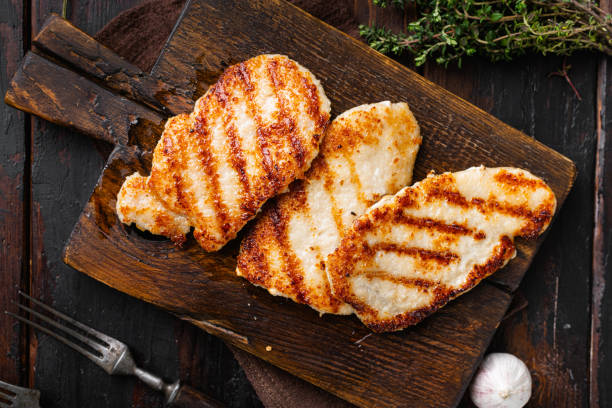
138	35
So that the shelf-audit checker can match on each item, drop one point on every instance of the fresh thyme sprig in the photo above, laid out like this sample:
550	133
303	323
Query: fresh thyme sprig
448	30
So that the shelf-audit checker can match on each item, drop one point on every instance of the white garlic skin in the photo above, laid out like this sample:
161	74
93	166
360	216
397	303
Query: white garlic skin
502	381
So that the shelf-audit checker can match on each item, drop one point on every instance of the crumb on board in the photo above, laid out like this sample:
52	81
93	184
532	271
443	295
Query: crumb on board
268	348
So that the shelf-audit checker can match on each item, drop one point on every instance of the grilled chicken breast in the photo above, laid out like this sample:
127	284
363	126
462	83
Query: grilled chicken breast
254	132
411	253
367	152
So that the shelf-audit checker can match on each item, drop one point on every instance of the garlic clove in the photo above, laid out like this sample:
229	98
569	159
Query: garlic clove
502	381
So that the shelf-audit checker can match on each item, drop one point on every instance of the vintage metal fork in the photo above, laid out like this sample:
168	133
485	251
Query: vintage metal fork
18	397
110	354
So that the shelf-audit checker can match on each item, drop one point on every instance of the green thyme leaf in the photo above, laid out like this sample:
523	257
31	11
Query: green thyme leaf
447	30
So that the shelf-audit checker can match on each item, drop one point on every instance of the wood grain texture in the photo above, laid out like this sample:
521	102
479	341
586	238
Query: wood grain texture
601	321
14	190
552	335
479	137
61	39
555	311
101	114
65	167
467	350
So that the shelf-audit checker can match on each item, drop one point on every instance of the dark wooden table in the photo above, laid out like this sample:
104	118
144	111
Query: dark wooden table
47	173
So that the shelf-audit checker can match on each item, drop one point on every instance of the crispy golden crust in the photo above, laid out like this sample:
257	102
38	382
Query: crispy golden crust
286	249
254	131
136	204
434	241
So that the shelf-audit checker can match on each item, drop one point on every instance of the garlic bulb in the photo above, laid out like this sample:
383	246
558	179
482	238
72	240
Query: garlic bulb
502	381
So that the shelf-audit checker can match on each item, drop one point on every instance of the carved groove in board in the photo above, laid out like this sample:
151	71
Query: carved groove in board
217	330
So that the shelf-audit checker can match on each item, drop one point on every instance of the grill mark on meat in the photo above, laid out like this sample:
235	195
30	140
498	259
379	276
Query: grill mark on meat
291	265
301	199
250	149
253	260
428	223
346	154
517	181
243	73
503	252
485	206
260	131
354	249
262	136
176	168
236	157
442	189
441	295
328	185
239	165
309	91
208	162
180	195
440	257
422	284
285	125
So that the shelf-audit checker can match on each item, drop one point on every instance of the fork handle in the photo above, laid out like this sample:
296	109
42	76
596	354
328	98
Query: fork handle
188	397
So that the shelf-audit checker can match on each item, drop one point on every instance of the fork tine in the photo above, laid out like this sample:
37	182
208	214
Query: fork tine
4	387
64	340
106	339
90	342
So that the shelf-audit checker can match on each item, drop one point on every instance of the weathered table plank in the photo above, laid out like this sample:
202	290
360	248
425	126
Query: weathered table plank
65	168
464	136
601	321
552	335
14	186
530	334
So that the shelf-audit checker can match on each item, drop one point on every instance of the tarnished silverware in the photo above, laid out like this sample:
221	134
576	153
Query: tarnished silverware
18	397
109	353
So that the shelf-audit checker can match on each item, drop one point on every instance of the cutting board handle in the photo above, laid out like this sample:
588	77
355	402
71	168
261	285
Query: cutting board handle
62	40
72	80
45	89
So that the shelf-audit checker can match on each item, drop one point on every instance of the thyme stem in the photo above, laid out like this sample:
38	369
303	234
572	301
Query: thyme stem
448	30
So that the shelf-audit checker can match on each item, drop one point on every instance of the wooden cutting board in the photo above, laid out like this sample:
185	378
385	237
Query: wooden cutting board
74	81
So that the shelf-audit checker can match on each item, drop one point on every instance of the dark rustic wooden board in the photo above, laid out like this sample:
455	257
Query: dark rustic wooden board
77	49
437	357
14	162
65	166
601	323
552	335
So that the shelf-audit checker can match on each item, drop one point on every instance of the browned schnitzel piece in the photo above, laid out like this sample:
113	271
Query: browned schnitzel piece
366	153
254	132
411	253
